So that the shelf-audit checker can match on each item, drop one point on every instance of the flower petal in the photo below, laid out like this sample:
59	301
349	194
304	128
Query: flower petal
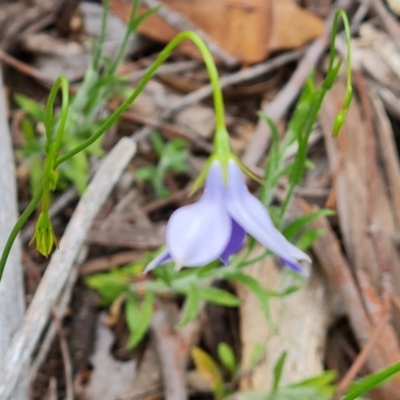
163	257
199	233
235	242
251	214
295	266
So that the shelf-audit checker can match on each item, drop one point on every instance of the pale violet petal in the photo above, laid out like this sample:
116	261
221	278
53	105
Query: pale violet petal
251	215
163	257
295	266
198	234
235	242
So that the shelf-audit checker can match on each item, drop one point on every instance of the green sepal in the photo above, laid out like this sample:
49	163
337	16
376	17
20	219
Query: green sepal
44	235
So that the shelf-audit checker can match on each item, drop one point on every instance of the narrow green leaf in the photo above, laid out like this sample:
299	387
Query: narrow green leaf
278	368
309	237
256	355
227	357
138	326
191	307
157	143
132	313
208	369
31	107
136	22
372	381
109	285
217	296
147	173
295	226
255	287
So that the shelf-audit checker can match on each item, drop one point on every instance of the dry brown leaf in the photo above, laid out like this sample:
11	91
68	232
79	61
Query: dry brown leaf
293	26
248	29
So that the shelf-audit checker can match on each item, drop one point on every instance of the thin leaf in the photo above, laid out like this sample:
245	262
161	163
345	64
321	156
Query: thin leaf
255	287
295	226
191	307
256	355
217	296
278	368
372	381
309	237
208	369
31	107
139	321
227	357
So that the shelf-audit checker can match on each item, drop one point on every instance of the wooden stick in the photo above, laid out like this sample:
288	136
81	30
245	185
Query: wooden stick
173	348
360	360
12	302
61	264
172	363
69	385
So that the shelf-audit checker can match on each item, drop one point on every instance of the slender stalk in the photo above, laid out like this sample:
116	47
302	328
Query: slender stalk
99	47
17	227
212	72
125	41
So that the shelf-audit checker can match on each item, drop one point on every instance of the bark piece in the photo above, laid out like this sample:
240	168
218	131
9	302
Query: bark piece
302	319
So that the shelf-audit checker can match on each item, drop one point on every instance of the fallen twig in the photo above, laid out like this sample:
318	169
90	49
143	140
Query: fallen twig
173	349
66	358
106	263
168	129
170	354
243	75
225	81
157	204
359	361
25	68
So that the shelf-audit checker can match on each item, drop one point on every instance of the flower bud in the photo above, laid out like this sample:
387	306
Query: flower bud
44	235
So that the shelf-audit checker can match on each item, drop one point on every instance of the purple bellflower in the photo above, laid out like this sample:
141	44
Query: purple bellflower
215	226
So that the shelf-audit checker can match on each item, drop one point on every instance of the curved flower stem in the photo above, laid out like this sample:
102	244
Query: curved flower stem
17	227
124	45
212	72
98	51
341	14
339	120
62	83
54	145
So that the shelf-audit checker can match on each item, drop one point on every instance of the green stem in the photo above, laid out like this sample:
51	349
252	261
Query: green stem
212	72
99	47
17	227
49	111
340	14
53	146
302	152
125	41
64	109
